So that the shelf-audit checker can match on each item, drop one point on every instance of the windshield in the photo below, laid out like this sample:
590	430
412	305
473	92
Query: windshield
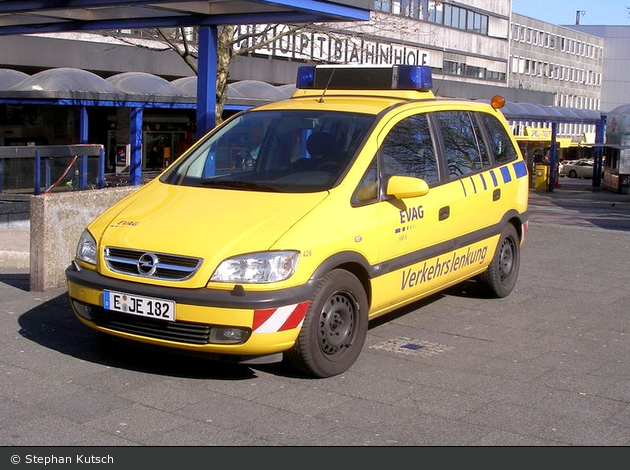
281	151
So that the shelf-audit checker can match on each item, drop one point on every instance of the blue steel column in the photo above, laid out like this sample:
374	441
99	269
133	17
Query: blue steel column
135	165
83	125
83	139
206	79
553	157
600	130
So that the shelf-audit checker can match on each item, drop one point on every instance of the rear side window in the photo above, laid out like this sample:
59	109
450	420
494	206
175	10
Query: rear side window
408	150
501	146
462	150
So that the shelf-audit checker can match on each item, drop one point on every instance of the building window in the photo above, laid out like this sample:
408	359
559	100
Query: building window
438	12
474	72
455	17
382	5
453	68
495	76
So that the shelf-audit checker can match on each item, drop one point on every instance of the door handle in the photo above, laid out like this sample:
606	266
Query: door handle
444	213
496	194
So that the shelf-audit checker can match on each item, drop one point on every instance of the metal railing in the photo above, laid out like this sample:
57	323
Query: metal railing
48	162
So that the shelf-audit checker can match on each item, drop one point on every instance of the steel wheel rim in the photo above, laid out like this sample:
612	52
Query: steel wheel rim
506	259
336	323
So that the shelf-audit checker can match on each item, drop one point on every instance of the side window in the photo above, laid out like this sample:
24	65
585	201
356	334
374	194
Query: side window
500	143
483	150
408	150
461	146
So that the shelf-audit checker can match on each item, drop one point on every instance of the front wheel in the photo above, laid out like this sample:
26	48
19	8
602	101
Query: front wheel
334	329
500	278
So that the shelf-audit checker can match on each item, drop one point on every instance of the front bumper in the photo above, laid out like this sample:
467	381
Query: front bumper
269	321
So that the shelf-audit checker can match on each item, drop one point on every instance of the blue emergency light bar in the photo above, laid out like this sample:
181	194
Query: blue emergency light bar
350	77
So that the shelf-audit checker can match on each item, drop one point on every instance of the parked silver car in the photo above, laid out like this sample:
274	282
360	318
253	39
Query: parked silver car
577	169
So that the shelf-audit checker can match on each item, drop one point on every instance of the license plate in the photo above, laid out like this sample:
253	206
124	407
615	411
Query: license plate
149	307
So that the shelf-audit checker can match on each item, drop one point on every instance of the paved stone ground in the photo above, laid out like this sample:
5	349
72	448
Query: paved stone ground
546	366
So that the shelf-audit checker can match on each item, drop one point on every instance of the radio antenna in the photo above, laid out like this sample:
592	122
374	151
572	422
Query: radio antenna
321	98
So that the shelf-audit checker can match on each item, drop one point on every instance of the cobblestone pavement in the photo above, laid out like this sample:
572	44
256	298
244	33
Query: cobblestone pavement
545	366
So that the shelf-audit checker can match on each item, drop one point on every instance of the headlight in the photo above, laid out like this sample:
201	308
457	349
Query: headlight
272	266
86	249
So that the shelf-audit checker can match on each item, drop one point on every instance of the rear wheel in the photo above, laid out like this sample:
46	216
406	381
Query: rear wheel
501	276
334	328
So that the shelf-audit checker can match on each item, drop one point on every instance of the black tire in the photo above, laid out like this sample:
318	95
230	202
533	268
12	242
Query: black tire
501	276
572	174
334	329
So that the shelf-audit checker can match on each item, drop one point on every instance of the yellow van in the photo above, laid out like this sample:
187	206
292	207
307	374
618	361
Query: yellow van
284	230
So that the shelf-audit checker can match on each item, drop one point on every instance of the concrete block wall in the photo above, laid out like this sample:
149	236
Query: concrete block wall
56	223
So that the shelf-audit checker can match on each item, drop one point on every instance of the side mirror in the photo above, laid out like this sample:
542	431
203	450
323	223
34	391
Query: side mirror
402	187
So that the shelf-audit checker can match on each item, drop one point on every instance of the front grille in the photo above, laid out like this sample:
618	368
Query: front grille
163	266
179	331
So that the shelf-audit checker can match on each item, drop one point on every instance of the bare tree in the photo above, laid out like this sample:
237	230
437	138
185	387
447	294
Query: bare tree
339	42
231	42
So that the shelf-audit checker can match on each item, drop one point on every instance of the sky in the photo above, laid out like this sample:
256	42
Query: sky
563	12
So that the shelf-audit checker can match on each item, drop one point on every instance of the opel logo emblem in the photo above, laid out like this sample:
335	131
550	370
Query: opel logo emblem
147	264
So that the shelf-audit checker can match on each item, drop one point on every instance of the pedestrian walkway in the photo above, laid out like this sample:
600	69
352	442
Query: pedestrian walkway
577	203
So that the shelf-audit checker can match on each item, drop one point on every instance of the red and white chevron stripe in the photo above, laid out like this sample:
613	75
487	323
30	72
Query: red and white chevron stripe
272	320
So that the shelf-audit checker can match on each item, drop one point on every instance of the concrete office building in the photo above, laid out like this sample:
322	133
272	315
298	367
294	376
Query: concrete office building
616	63
465	43
567	63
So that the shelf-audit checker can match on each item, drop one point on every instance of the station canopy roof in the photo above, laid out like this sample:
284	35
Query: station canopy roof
543	113
69	86
533	112
45	16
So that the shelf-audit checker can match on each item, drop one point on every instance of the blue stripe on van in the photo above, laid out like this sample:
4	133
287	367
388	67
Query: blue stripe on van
520	169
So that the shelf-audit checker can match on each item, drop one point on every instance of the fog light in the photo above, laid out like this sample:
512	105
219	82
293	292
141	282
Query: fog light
81	309
229	335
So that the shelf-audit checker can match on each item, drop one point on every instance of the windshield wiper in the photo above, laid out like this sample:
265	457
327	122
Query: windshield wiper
239	185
